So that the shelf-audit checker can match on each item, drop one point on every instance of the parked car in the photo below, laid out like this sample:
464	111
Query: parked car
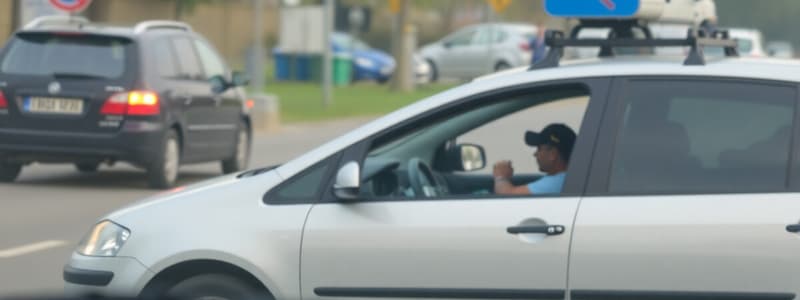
368	63
660	200
156	95
751	43
480	49
780	49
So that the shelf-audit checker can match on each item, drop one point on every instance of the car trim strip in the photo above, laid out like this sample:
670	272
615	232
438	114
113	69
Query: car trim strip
663	295
447	293
205	127
87	277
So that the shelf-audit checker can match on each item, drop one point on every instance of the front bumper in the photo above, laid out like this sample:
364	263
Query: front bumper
137	142
105	276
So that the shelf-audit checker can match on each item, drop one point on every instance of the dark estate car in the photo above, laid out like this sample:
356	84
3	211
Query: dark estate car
156	95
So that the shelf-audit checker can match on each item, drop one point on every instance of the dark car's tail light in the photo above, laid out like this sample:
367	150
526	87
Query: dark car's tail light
135	103
3	101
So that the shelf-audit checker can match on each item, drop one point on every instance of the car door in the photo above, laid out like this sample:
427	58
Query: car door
227	107
455	52
481	52
694	185
202	132
459	246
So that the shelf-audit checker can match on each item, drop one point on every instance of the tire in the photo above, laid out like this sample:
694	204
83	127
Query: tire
162	172
9	172
241	155
214	286
382	80
501	66
87	167
433	75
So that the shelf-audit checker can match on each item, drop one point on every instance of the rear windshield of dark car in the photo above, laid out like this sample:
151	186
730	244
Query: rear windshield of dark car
70	54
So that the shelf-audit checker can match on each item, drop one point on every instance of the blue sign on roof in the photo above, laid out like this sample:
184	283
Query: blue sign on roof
591	8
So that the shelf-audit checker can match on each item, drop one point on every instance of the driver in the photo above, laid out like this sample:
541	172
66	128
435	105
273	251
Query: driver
553	148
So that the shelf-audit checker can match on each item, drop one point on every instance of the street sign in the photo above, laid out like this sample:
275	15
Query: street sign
499	5
71	6
591	8
394	6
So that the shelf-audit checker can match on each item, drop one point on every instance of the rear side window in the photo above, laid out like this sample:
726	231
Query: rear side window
702	137
187	59
81	55
165	59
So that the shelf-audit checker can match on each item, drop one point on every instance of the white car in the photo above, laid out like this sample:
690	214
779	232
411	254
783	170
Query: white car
780	49
480	49
683	184
751	41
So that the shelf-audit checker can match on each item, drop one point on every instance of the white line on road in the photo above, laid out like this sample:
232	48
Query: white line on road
30	248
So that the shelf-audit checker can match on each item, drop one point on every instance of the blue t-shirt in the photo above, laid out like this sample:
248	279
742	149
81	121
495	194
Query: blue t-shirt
550	184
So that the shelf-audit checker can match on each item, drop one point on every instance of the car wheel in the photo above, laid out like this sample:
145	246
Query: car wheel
162	172
433	75
382	80
241	155
9	172
501	66
215	286
87	167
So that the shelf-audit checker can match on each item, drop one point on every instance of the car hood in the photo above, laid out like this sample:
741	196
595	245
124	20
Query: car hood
206	197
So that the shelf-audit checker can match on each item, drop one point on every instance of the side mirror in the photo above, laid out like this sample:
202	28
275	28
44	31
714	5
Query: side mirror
472	157
348	181
239	79
218	84
447	45
464	157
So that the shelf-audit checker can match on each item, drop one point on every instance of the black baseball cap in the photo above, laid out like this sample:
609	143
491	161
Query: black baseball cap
556	135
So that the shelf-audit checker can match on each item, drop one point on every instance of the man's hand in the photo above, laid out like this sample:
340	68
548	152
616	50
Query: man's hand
503	169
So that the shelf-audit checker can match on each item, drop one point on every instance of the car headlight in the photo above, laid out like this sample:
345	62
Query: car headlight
105	239
364	63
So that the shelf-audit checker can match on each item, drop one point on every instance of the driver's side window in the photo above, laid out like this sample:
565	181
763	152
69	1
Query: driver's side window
451	153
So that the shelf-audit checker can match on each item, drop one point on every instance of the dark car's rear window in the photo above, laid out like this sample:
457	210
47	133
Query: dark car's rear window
70	54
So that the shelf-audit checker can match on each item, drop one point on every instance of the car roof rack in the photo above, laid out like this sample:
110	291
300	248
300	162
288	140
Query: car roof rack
621	35
42	21
142	27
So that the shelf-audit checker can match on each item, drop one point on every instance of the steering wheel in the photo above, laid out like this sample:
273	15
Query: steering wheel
421	178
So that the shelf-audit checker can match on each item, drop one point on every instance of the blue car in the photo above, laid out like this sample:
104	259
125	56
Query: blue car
368	63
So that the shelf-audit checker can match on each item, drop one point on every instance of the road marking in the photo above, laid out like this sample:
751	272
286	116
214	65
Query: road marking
30	248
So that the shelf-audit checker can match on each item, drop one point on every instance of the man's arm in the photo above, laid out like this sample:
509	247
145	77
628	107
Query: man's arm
503	186
502	180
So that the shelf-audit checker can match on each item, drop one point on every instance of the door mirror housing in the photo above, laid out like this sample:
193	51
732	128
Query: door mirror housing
218	84
348	182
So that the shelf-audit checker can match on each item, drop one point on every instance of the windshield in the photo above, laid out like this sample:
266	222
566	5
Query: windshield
86	56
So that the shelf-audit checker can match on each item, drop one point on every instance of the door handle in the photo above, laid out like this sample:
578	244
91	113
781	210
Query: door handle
793	228
546	229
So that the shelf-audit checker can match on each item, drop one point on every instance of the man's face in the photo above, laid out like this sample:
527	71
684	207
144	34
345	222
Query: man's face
546	157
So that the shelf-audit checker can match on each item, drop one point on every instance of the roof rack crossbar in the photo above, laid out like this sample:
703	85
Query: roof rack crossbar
159	24
696	40
56	20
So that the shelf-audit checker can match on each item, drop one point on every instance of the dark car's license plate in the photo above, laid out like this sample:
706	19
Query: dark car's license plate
48	105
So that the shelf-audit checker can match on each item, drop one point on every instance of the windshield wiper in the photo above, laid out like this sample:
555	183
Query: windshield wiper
75	75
